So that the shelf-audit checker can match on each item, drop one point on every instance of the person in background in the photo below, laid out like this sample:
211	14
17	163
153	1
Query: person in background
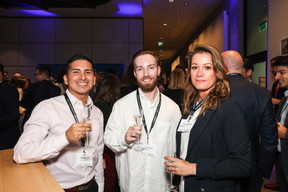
140	166
107	94
21	85
213	146
175	90
260	120
60	81
282	148
248	69
55	132
128	81
9	113
14	78
39	91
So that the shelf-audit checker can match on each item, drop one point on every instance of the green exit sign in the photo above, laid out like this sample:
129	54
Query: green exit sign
263	26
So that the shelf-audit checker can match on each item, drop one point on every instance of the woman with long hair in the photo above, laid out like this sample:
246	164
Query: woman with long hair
212	142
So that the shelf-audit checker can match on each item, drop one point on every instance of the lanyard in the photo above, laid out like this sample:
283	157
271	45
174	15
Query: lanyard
195	107
155	115
74	114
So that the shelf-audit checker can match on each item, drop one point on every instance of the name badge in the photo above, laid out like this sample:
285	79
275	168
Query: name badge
185	125
149	149
85	158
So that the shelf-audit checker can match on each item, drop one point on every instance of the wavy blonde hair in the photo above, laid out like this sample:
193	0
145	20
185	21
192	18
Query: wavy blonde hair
221	89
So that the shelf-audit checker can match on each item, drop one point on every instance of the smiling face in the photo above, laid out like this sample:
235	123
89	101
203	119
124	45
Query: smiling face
202	73
282	76
146	72
80	78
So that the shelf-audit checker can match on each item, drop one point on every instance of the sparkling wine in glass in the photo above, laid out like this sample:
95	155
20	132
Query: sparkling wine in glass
138	119
171	187
86	119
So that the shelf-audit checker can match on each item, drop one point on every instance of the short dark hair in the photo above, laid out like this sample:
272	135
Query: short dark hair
74	58
282	61
144	52
274	59
44	70
248	64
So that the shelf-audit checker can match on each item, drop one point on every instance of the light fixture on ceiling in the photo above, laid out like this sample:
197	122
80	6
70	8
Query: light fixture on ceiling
171	1
165	24
186	4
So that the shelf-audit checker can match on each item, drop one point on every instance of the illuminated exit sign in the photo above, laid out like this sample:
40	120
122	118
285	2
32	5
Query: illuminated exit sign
263	26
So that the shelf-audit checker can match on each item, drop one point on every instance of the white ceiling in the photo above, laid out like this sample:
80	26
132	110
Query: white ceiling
184	18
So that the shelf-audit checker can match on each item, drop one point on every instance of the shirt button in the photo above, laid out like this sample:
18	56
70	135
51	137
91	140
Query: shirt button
202	189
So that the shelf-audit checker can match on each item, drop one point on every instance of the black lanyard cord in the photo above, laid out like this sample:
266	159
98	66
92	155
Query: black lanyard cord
155	115
74	114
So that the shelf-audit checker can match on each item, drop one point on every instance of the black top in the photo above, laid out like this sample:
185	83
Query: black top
176	95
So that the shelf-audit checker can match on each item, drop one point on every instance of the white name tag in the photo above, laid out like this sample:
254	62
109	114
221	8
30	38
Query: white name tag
84	159
149	149
185	125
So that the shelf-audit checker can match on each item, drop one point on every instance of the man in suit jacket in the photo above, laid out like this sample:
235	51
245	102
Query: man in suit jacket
9	113
282	117
37	92
260	119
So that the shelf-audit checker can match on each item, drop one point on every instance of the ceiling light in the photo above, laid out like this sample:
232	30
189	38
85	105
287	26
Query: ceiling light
165	24
171	1
186	4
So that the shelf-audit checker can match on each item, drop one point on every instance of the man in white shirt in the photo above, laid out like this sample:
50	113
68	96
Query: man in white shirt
143	169
55	133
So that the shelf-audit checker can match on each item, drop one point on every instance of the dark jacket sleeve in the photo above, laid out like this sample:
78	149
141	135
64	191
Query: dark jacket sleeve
269	140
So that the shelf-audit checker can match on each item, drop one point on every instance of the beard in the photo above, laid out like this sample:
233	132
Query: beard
147	87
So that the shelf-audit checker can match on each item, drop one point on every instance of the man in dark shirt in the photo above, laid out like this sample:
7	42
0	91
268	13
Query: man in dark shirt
37	92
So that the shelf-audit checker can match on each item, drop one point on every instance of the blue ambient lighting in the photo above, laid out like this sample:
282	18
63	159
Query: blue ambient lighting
39	13
130	9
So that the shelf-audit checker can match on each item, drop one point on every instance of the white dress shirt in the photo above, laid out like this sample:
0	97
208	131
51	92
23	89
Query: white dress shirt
184	144
136	171
44	139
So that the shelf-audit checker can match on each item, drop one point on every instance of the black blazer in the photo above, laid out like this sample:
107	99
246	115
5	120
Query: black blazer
284	143
9	116
35	93
220	146
261	121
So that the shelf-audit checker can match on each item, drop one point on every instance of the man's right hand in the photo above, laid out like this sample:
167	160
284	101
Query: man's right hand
77	131
132	134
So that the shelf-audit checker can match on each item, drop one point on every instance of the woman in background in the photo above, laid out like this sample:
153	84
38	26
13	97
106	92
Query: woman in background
107	94
212	138
175	90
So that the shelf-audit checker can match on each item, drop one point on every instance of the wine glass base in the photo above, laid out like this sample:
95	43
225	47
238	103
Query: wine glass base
172	188
138	147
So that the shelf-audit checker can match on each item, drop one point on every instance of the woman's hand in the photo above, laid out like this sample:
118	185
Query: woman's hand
179	166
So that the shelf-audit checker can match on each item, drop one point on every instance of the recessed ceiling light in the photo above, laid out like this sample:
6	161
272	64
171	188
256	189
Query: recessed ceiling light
181	13
161	37
171	1
165	24
186	4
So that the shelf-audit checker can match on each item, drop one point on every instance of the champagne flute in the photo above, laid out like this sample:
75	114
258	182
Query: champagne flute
171	187
138	119
86	119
